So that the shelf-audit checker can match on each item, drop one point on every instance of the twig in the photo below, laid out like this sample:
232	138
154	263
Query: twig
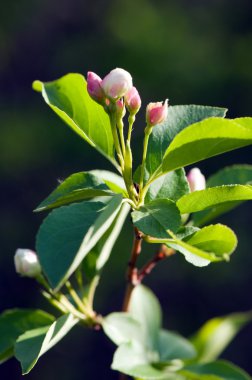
132	272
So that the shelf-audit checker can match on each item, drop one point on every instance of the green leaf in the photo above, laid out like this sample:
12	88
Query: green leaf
145	308
206	139
122	328
156	217
31	345
112	180
220	370
236	174
69	99
210	244
132	359
179	117
100	253
216	334
15	322
173	185
214	196
77	187
174	346
69	233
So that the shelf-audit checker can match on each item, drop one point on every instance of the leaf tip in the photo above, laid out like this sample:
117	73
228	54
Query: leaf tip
37	85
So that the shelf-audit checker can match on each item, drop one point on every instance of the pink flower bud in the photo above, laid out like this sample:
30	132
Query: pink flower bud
133	100
94	87
196	180
120	108
116	83
27	263
156	113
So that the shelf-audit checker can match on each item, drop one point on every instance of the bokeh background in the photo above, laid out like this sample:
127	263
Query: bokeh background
189	51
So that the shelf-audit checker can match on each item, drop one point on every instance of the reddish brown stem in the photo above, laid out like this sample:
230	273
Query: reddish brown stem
132	273
150	265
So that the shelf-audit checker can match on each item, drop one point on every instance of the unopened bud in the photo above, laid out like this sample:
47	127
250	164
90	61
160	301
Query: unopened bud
120	109
156	113
94	87
196	180
133	100
117	83
27	263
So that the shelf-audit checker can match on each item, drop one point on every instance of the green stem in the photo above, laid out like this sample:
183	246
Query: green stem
75	297
121	135
116	139
131	121
147	133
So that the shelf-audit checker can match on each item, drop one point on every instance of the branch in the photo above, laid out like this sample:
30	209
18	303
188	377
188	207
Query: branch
132	272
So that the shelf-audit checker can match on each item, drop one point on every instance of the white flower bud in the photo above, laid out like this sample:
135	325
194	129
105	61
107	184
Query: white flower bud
117	83
27	263
196	179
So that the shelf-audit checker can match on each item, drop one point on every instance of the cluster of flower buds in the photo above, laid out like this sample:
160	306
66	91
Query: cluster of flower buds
113	87
196	180
27	263
118	85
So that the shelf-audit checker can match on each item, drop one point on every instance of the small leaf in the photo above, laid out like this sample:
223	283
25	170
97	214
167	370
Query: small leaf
210	244
156	217
15	322
69	99
69	233
214	196
122	328
77	187
173	185
145	308
179	117
31	345
219	370
174	346
216	334
205	139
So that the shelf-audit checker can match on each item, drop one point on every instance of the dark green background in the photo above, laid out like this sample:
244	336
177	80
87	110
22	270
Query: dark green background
189	51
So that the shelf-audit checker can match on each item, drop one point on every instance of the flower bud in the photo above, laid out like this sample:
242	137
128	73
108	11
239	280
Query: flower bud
196	180
26	263
156	113
133	100
116	83
120	109
94	87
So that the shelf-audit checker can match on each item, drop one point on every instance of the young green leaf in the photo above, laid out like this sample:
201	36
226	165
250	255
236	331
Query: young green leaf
69	233
145	308
179	117
31	345
216	334
173	185
205	139
134	360
214	196
14	323
122	328
77	187
210	244
69	99
219	370
173	346
156	217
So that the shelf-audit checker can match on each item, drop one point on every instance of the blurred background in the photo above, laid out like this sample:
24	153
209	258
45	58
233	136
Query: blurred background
189	51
